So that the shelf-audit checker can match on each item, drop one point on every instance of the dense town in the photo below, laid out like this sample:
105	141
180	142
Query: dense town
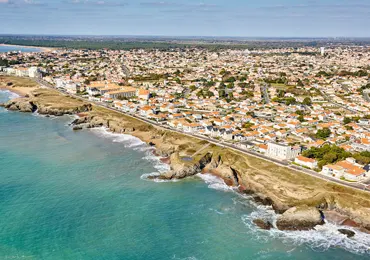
309	107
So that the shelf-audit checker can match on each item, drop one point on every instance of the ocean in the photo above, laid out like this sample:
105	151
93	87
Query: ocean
84	195
7	48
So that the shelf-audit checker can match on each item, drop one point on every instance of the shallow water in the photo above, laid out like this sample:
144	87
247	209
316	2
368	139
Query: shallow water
84	195
7	48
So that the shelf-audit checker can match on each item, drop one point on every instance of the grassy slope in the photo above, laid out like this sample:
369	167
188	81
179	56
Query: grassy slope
288	186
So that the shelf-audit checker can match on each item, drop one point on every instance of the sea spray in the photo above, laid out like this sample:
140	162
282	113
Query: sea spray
215	182
135	143
128	141
321	239
9	94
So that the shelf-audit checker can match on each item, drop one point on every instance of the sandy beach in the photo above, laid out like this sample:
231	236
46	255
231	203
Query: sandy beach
17	85
43	49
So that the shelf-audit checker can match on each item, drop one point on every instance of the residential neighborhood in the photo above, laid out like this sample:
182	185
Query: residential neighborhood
305	106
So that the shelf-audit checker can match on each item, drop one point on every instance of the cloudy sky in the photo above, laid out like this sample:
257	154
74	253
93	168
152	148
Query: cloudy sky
269	18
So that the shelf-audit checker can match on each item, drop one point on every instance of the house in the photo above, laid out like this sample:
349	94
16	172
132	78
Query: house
333	170
192	127
347	169
262	148
306	162
146	111
143	94
282	151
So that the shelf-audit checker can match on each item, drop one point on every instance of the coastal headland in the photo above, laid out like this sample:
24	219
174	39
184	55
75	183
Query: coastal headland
301	199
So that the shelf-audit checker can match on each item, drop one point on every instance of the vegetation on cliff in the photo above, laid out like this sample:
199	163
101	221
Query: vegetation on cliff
269	183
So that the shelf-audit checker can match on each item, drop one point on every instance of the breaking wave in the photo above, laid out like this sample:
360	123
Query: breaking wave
135	143
10	94
321	239
128	141
215	182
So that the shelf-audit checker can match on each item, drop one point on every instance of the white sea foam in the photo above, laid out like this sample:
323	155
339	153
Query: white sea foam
158	164
10	94
128	141
186	258
155	174
321	239
215	182
36	113
135	144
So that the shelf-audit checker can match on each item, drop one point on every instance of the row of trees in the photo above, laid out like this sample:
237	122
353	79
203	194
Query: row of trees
6	63
328	154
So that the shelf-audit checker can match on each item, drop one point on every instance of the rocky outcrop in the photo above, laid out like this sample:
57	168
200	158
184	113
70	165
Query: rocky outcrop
31	105
300	218
348	233
60	111
218	168
262	224
181	168
22	105
268	184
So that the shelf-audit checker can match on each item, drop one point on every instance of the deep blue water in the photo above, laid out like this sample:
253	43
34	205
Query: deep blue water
6	48
81	195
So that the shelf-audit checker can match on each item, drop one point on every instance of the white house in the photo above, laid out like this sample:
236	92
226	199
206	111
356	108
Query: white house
307	162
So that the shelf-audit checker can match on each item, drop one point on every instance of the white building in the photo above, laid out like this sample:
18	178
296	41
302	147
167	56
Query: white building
32	72
282	151
347	169
306	162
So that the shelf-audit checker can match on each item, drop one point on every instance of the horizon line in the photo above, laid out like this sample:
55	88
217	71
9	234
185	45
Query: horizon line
188	36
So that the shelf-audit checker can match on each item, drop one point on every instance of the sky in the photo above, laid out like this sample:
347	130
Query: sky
245	18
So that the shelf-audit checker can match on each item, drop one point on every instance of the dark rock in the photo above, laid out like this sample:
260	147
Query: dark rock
348	233
266	225
77	127
259	198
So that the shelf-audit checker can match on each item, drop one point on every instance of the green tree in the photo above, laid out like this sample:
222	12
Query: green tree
290	101
323	133
330	157
4	63
200	93
230	85
307	101
210	94
281	93
300	83
347	120
222	93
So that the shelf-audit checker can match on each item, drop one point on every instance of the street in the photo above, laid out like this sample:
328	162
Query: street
358	186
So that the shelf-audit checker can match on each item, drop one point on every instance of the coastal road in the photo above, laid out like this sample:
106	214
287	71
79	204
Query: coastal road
286	164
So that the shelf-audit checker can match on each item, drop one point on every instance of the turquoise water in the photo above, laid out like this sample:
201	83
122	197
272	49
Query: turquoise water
81	195
5	48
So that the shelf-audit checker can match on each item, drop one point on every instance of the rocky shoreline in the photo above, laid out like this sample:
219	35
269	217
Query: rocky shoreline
301	207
